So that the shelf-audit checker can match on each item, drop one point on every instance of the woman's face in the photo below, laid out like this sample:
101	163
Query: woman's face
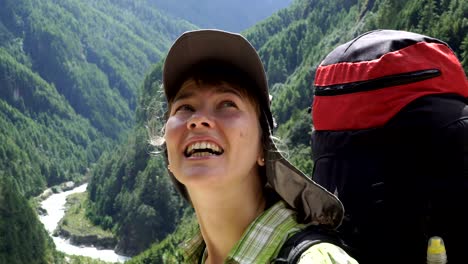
213	136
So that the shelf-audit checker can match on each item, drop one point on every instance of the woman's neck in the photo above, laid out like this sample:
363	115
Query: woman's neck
224	217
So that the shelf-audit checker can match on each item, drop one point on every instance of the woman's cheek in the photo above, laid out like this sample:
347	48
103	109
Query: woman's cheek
172	125
174	131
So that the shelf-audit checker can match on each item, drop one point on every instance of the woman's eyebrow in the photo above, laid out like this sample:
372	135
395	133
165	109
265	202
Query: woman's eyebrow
183	95
229	90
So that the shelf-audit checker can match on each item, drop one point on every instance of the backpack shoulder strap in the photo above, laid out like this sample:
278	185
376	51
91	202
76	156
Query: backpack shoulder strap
297	244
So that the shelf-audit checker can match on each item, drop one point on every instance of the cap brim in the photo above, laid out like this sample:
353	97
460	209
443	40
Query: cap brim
318	206
196	46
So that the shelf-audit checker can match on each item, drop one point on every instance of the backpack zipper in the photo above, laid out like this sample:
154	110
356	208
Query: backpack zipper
378	83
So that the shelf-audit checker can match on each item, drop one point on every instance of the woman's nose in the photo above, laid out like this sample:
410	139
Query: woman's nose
200	120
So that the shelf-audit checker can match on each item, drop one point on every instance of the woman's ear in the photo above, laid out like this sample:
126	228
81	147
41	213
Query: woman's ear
261	161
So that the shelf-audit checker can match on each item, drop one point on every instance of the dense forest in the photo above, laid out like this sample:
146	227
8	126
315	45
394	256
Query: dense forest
18	224
69	76
80	90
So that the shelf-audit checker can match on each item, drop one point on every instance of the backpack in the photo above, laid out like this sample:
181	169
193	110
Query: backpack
390	139
298	243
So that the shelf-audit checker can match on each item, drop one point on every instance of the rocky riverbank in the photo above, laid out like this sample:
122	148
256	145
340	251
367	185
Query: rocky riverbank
76	227
63	187
96	241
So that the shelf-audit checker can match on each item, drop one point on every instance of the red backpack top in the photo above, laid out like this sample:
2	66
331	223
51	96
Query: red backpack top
388	68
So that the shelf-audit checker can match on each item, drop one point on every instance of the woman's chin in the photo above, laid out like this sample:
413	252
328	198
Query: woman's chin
202	175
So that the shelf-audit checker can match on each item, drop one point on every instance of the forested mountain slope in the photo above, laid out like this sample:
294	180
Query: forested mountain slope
69	75
18	224
129	188
292	43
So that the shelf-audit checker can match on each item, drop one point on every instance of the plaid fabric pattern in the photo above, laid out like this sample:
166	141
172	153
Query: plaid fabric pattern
264	238
193	249
261	241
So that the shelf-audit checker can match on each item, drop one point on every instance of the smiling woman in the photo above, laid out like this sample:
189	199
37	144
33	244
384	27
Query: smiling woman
247	197
212	132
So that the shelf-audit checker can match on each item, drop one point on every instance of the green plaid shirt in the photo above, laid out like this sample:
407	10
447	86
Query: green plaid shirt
264	238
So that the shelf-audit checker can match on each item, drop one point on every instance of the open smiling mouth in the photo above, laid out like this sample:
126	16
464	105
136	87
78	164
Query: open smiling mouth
203	149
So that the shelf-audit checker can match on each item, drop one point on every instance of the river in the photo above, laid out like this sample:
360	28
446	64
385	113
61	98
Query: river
55	207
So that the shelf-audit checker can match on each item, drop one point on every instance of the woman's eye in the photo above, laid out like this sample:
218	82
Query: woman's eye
227	104
184	108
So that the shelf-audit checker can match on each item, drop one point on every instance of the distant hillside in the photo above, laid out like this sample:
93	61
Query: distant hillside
130	188
223	14
69	75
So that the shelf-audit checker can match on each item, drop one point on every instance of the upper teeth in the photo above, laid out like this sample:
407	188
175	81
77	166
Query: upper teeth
203	145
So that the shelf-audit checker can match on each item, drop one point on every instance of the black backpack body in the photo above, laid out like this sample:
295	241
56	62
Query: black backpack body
296	245
391	140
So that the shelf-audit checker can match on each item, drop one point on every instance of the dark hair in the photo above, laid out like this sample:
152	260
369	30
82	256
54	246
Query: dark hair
216	72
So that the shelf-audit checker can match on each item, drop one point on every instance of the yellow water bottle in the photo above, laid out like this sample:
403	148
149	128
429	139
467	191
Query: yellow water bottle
436	253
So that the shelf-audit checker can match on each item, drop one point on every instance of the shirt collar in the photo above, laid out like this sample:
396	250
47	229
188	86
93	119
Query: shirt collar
261	241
